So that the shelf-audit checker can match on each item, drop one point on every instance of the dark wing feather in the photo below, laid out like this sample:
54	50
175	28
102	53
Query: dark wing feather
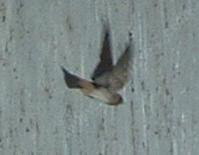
72	81
106	62
120	72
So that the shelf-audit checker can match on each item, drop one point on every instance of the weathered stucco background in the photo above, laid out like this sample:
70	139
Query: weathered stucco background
40	116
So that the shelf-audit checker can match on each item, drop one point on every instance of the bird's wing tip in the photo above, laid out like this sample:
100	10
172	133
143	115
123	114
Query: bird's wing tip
62	68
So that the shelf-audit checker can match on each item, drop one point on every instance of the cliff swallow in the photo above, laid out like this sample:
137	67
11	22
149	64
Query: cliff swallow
107	78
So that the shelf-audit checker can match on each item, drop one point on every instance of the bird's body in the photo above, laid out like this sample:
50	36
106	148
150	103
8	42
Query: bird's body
91	89
107	78
105	96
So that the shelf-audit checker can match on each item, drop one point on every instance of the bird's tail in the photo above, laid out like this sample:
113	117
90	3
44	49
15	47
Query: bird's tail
72	81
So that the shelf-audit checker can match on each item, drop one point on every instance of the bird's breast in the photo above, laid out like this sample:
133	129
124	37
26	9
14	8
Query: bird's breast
101	94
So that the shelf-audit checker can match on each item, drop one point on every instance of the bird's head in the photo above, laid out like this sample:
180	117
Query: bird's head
116	100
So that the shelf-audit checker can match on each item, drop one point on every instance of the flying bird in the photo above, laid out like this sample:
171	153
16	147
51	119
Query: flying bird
107	78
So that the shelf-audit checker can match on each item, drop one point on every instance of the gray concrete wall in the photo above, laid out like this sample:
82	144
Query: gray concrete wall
40	116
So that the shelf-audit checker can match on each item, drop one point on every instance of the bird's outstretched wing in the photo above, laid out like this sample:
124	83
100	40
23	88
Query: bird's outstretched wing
115	79
71	80
106	62
120	73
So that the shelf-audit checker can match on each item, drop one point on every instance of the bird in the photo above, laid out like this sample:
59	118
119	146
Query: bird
107	79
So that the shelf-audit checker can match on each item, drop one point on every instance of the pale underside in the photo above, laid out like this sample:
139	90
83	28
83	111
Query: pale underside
101	94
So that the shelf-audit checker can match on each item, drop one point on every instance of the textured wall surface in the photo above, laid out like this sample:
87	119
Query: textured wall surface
40	116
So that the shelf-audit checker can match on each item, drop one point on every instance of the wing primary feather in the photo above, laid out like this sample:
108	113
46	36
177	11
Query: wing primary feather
72	81
127	56
106	62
